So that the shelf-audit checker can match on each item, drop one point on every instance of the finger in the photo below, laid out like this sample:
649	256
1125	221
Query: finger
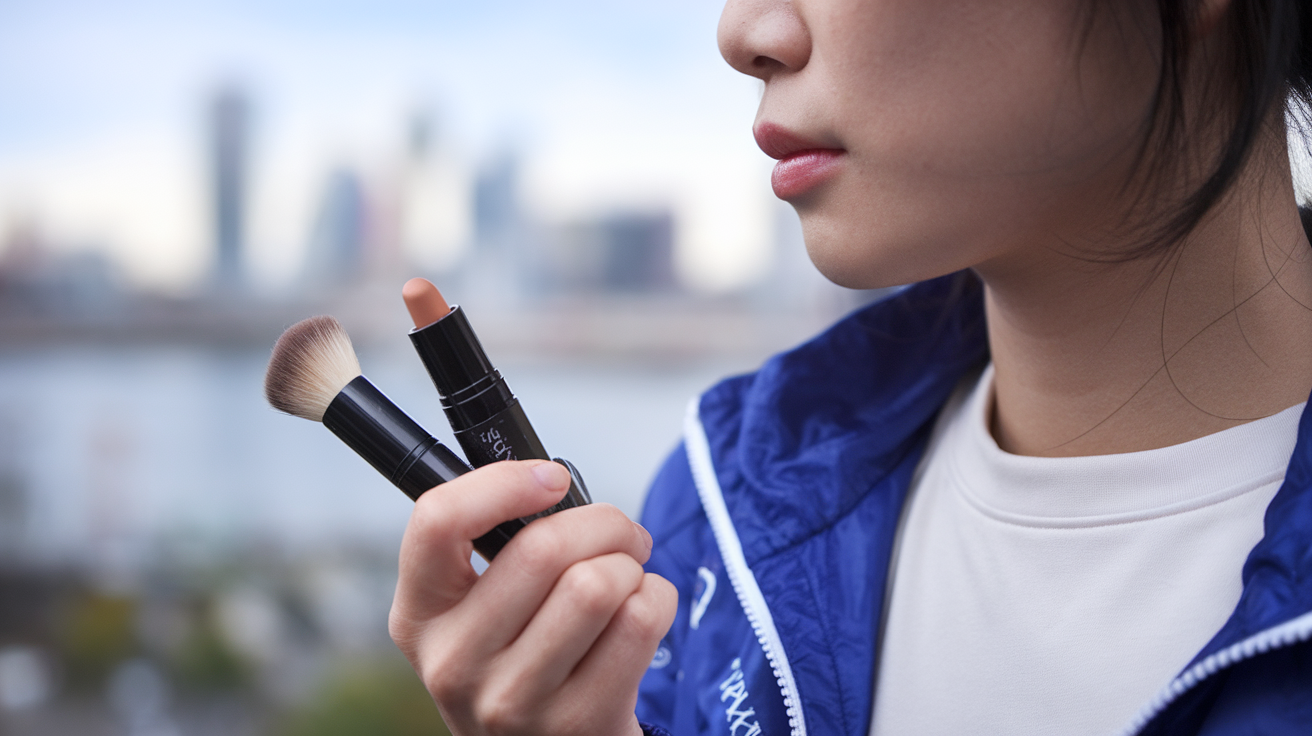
434	569
612	669
509	593
579	608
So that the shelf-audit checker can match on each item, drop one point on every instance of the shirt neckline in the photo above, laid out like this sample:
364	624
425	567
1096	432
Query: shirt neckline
1097	490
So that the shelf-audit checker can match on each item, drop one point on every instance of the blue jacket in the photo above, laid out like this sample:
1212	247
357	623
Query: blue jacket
775	519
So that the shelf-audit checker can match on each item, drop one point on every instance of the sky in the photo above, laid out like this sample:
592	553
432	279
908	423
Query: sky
611	104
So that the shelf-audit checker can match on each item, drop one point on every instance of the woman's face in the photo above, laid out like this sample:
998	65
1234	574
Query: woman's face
953	133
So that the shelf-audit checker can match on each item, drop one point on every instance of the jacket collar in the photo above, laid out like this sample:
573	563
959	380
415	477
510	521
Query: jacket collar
1278	573
816	428
805	438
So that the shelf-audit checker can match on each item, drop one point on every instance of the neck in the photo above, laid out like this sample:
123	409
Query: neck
1097	358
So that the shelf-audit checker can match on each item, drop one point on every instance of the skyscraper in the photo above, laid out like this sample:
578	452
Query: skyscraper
337	239
436	199
497	217
229	123
501	265
625	251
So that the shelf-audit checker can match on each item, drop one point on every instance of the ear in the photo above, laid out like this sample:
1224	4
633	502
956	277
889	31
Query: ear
1208	16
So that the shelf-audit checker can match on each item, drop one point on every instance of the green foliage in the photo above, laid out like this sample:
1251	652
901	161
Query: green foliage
204	660
382	698
97	634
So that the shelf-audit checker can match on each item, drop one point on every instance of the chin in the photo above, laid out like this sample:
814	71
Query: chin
873	255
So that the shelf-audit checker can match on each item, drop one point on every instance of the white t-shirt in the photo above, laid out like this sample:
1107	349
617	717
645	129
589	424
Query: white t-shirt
1058	595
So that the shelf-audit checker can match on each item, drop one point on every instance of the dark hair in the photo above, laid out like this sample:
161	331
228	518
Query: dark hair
1267	62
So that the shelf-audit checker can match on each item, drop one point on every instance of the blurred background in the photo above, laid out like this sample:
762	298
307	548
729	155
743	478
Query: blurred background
179	181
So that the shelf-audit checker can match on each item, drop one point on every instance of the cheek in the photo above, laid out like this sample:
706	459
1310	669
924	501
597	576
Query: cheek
971	127
982	88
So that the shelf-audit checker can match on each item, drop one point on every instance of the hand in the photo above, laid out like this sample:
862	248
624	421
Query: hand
555	635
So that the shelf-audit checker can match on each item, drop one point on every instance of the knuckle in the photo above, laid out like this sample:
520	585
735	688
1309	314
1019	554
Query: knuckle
588	586
633	573
647	612
611	514
540	546
430	518
640	615
627	575
401	629
443	680
618	526
499	711
439	666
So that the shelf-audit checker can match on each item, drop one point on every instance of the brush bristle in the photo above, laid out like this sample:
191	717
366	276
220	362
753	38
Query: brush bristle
312	362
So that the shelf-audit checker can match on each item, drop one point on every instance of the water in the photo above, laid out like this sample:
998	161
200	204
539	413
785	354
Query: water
117	455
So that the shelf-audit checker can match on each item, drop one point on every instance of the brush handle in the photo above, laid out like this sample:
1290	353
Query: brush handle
364	418
408	456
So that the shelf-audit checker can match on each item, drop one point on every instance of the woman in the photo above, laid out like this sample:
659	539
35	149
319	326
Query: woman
1054	487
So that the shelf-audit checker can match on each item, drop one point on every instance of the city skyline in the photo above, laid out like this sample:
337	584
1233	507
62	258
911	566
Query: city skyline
614	108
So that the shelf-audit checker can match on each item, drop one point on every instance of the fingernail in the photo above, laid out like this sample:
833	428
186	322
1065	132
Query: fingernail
645	534
552	476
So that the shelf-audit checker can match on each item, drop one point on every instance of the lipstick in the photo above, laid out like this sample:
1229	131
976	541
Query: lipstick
486	417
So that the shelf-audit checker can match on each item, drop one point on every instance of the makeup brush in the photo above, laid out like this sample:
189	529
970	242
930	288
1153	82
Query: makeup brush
314	374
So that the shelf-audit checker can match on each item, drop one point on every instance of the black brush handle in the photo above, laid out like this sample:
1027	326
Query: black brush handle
396	446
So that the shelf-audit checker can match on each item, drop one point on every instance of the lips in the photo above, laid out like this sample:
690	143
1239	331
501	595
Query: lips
803	164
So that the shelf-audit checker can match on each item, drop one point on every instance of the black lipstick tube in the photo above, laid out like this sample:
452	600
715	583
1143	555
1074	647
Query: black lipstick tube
411	458
487	419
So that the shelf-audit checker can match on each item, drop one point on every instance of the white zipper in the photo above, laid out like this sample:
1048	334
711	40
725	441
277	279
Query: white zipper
1290	632
740	575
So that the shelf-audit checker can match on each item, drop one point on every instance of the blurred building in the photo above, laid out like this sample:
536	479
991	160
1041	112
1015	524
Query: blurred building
436	207
229	140
39	280
501	267
337	237
637	251
498	218
15	501
622	252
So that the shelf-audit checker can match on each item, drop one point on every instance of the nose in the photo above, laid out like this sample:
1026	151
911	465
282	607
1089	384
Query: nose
762	38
